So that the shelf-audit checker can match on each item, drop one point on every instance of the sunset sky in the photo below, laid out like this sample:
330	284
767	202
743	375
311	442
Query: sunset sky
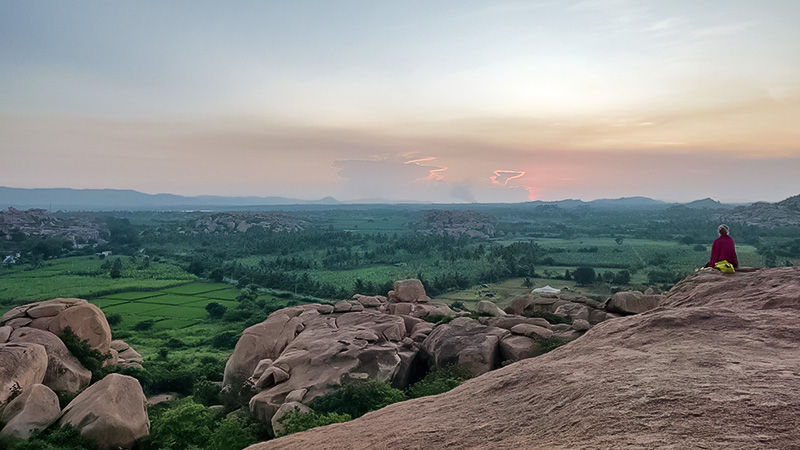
444	101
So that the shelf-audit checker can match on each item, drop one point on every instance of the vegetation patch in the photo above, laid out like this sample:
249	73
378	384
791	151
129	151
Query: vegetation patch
438	381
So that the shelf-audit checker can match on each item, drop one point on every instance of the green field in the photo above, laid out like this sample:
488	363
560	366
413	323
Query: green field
83	277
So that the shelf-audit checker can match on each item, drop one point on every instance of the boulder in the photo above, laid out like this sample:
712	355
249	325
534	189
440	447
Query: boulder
265	340
572	310
261	367
325	309
508	322
596	316
342	306
64	371
87	321
112	412
519	304
464	342
21	366
296	395
487	308
368	301
15	313
532	331
35	409
331	349
5	332
516	348
19	322
409	291
285	409
632	302
119	345
49	308
580	325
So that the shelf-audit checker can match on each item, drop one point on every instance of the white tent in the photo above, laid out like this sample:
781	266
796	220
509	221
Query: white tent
547	290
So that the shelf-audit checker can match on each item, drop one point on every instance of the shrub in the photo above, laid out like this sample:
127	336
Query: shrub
54	438
549	344
225	340
438	381
144	325
114	319
232	434
584	275
358	397
88	357
184	425
295	421
205	392
215	310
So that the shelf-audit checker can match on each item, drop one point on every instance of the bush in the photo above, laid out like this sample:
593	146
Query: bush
225	340
144	325
182	426
54	438
438	381
215	310
549	344
205	392
114	319
358	397
584	275
295	421
88	357
233	434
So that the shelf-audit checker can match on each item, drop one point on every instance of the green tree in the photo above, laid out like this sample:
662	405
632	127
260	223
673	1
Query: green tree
584	275
183	426
622	277
215	310
116	269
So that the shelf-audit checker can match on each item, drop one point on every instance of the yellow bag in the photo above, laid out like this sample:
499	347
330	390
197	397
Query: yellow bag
724	267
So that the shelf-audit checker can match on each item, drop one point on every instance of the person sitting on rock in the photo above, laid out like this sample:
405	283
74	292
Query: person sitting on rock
723	249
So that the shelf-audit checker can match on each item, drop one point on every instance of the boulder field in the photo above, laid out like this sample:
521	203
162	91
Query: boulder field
35	364
716	366
303	352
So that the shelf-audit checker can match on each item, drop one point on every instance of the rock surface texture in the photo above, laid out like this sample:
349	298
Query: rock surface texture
21	366
33	410
112	412
715	366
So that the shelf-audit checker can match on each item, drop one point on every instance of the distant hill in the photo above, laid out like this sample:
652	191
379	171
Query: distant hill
770	215
116	199
708	203
606	203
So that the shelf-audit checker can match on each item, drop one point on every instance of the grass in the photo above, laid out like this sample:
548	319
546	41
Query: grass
83	277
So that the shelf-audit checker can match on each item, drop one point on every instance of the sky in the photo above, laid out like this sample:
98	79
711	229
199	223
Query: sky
439	101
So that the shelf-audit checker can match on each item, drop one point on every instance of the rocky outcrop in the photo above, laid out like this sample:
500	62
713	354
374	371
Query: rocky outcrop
112	412
715	366
64	372
75	228
265	340
329	350
632	302
87	321
457	223
35	409
785	213
408	291
464	342
240	222
21	366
